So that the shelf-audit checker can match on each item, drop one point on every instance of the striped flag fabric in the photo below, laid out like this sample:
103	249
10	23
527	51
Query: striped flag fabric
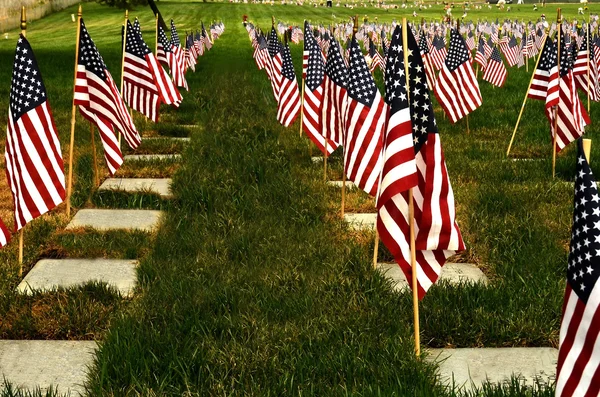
480	57
470	41
366	114
413	157
544	85
495	73
578	365
168	57
308	42
488	46
580	71
511	52
145	82
289	95
376	58
261	53
99	101
34	164
456	88
571	116
335	95
427	63
438	52
312	106
274	63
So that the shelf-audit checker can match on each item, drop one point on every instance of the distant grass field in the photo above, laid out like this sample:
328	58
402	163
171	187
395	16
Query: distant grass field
253	285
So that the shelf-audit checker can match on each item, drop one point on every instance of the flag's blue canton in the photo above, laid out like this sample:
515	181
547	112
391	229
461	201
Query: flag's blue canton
262	42
197	36
89	55
164	41
584	256
316	69
395	84
423	44
274	45
548	57
566	60
174	35
287	68
512	42
134	44
27	89
495	55
458	53
361	86
335	67
137	28
481	46
372	49
438	43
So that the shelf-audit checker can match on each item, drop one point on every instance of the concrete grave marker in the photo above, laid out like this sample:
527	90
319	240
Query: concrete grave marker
361	221
474	366
151	157
349	184
62	364
48	274
101	219
161	186
453	273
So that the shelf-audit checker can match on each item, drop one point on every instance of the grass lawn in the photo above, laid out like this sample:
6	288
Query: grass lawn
253	285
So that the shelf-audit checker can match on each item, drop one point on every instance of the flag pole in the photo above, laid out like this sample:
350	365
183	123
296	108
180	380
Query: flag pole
559	23
96	174
525	99
302	89
587	148
588	62
73	113
123	61
457	31
156	40
24	33
527	57
411	210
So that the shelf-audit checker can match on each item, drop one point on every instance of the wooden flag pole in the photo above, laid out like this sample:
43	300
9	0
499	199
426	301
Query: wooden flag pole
73	113
589	46
527	57
96	173
526	94
411	210
554	138
302	92
123	62
156	40
24	33
587	148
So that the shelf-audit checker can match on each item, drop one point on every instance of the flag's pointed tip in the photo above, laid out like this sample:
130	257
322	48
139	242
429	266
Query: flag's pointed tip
79	11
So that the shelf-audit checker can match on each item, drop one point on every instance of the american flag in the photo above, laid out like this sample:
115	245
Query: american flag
438	53
199	43
544	85
413	157
366	115
308	43
578	364
312	106
274	63
179	52
572	117
470	42
167	56
480	57
145	83
580	71
261	53
376	59
34	164
456	88
511	51
426	57
99	101
335	95
488	47
539	38
190	52
289	95
495	73
206	38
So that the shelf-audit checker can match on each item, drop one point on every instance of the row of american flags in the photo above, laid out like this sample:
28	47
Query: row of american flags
34	162
391	143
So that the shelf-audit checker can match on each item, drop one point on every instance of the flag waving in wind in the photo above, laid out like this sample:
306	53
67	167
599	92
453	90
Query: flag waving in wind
413	157
99	101
289	95
34	164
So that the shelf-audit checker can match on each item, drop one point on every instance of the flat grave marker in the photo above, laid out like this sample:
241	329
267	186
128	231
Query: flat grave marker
469	367
108	219
49	274
161	186
151	157
453	273
349	184
361	221
31	364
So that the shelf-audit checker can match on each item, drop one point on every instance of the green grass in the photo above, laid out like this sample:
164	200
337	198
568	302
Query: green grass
253	285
